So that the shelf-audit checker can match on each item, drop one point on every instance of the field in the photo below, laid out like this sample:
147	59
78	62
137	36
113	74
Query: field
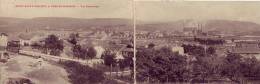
22	67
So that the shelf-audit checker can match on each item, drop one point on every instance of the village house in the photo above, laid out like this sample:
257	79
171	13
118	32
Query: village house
113	49
248	44
3	39
120	51
99	51
99	35
25	40
121	35
247	49
178	49
3	45
140	36
29	39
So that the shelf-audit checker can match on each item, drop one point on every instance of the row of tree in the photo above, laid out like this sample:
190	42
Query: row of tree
51	45
210	41
198	50
78	50
111	61
163	65
82	74
84	53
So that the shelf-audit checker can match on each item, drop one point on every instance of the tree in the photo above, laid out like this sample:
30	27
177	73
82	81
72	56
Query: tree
127	62
211	50
205	68
238	68
53	45
232	68
250	67
194	50
144	63
151	45
129	46
79	52
36	46
73	38
210	41
122	64
81	74
161	65
91	53
83	53
109	59
76	51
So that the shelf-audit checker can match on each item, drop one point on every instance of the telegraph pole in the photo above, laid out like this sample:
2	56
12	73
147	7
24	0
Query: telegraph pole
134	24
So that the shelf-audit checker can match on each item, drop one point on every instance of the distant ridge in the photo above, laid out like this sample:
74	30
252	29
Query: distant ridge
12	24
227	26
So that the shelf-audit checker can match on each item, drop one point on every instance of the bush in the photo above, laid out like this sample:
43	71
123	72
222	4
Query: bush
19	81
3	60
81	74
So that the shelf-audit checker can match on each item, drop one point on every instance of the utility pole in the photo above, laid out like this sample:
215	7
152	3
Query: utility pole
134	24
205	49
205	55
110	70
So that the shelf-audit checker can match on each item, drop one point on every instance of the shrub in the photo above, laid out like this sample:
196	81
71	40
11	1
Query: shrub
81	74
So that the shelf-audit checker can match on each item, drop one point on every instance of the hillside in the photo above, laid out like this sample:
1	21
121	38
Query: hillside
226	26
56	23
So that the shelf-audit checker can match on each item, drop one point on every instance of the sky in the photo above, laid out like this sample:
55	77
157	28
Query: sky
105	9
172	11
146	10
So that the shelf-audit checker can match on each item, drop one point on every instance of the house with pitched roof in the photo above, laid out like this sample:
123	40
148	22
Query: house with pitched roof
247	48
3	45
28	39
3	39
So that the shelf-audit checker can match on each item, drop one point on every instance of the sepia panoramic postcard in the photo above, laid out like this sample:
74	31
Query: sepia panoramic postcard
129	42
66	42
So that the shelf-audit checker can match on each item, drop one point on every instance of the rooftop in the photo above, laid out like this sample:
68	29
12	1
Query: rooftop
4	34
246	50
